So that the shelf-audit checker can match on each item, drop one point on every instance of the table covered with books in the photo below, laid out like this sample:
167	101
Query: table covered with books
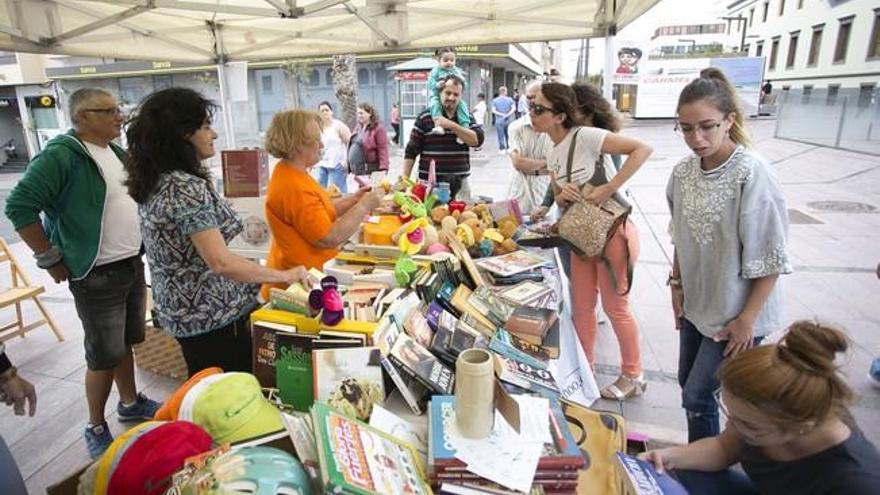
432	355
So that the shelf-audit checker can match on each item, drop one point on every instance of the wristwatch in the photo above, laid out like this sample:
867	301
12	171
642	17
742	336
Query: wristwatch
673	281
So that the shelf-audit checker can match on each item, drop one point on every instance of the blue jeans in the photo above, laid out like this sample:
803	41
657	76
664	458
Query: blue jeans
501	129
726	482
338	174
699	360
11	482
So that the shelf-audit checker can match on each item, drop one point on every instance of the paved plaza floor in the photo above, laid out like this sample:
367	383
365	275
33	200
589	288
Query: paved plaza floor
834	202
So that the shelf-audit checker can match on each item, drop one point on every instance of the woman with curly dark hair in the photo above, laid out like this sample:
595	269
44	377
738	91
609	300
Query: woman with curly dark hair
203	292
368	148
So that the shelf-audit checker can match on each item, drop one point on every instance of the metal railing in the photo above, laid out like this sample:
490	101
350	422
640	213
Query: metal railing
848	119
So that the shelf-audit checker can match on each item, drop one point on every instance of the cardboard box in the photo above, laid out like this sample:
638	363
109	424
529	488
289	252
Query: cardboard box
245	173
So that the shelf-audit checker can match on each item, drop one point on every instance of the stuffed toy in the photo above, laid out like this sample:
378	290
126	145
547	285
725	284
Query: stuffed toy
328	301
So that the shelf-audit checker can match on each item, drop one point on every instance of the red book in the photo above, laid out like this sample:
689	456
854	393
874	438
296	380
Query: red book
245	173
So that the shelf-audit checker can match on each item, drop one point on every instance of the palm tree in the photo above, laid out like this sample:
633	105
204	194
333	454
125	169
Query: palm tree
345	84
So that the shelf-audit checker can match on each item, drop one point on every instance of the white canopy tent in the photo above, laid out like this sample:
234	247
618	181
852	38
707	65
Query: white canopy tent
204	31
218	32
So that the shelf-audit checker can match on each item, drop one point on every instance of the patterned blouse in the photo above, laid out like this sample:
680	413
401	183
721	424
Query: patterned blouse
190	299
729	226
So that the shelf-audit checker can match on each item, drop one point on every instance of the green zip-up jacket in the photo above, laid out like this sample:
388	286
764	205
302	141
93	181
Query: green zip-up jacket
65	184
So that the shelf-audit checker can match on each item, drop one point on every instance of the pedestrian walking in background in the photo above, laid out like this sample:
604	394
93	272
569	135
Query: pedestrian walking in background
335	135
503	108
368	151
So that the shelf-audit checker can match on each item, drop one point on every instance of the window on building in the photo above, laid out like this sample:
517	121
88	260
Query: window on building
866	94
833	91
328	76
132	90
874	40
751	16
815	45
786	88
266	85
792	49
808	91
764	12
774	52
314	78
759	49
842	44
162	81
781	7
363	76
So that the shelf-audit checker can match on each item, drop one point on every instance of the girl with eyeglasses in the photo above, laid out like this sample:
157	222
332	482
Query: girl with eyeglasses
555	110
787	424
730	231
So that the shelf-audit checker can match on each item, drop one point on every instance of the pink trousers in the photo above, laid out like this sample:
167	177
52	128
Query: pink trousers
589	280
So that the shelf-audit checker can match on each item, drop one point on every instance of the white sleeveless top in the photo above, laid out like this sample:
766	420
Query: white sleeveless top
334	149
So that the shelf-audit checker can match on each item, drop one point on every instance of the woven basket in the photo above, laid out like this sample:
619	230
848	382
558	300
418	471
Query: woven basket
160	353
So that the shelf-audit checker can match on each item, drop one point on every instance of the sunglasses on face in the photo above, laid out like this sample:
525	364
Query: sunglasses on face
539	109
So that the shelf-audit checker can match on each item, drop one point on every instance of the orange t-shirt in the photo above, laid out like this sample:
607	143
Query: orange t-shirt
299	213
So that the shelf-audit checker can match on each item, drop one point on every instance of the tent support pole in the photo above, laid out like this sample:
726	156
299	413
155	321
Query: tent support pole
228	127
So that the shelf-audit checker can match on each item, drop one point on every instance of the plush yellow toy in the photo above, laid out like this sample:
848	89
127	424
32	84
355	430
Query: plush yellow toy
465	234
412	239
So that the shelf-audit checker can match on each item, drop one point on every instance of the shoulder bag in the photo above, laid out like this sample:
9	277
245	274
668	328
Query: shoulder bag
588	227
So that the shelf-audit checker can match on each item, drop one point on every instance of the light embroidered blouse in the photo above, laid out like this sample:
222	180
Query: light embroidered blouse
729	226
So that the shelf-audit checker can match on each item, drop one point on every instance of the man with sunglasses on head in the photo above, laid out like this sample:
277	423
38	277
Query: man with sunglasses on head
449	151
89	237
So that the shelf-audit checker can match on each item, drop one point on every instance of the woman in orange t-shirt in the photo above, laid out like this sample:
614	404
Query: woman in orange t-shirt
307	226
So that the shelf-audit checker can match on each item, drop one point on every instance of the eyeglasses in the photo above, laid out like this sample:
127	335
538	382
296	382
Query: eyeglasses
705	129
539	109
744	427
113	111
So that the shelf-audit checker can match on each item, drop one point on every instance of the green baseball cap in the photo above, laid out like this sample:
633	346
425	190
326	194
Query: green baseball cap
233	409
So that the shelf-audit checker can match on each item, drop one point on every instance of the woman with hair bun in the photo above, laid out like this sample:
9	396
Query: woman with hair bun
787	424
730	230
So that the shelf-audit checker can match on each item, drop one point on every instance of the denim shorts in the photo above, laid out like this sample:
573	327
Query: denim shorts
111	303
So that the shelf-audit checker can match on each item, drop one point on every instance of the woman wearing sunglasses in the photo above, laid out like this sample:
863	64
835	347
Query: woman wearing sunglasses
730	228
555	111
787	424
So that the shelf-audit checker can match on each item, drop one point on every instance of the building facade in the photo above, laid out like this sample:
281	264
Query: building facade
698	39
833	45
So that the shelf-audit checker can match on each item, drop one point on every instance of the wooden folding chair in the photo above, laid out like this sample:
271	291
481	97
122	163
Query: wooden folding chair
21	290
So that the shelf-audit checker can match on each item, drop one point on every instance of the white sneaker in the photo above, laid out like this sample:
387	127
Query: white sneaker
502	152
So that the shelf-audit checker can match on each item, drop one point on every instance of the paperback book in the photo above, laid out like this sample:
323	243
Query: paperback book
525	376
410	389
515	348
562	454
264	335
349	380
640	478
532	324
417	362
511	263
358	459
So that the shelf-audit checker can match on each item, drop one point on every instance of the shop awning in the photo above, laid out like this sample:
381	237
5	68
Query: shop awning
202	31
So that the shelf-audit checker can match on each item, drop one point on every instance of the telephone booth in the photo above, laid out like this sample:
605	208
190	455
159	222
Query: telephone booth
412	91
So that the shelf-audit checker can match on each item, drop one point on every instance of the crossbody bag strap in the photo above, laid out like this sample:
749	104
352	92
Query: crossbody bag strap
630	269
571	148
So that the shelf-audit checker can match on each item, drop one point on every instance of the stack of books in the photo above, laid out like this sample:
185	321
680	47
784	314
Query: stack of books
557	468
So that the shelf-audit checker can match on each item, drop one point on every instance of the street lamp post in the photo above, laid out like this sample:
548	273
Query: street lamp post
692	42
742	20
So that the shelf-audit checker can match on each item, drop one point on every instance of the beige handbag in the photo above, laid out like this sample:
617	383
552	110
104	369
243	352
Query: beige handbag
588	227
